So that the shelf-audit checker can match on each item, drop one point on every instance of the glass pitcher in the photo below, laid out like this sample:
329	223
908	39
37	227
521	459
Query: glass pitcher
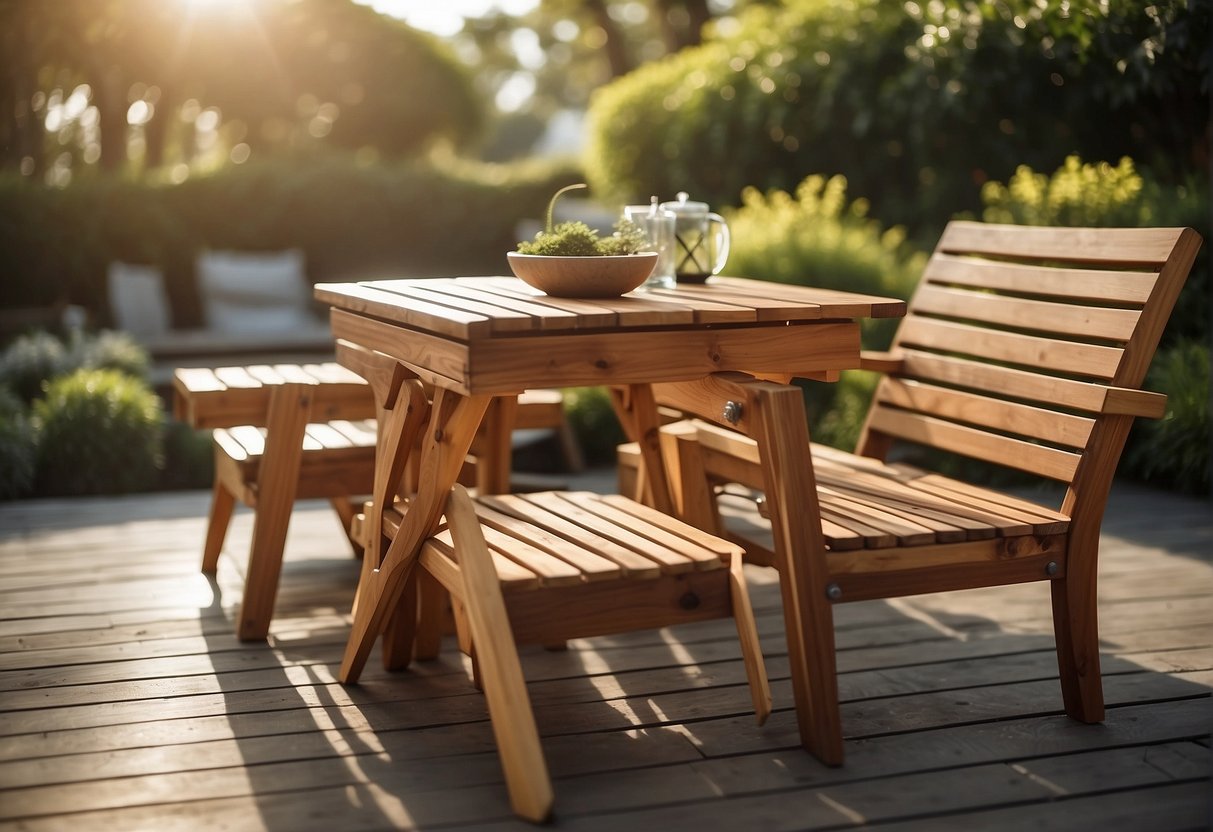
701	240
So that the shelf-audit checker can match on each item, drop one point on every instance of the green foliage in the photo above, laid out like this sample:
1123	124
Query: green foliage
99	431
352	222
917	104
189	457
17	447
1098	194
109	350
30	361
593	421
815	237
576	239
1173	452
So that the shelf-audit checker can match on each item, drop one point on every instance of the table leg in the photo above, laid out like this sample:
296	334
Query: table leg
493	466
637	411
446	440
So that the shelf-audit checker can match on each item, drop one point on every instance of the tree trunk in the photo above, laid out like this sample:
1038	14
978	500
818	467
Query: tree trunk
616	47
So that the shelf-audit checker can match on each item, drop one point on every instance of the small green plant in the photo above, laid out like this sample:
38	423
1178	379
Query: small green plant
30	361
99	433
18	444
1174	451
576	239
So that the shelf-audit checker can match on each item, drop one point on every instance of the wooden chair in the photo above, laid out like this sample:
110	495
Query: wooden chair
1024	347
291	432
539	568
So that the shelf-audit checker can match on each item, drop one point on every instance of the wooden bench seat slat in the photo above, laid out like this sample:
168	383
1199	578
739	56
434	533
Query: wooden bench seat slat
656	518
669	560
237	377
633	564
552	571
1042	316
988	412
913	525
906	532
511	574
591	565
702	557
1092	360
1128	287
872	537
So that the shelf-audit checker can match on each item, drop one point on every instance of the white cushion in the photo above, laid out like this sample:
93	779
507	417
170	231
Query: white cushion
137	299
246	293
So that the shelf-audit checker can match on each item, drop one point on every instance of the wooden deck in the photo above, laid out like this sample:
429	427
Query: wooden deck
127	703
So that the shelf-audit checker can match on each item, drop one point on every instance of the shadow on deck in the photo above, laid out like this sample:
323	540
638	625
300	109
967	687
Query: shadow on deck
128	703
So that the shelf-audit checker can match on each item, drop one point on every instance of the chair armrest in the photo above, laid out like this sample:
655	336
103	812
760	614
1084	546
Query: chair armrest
1122	401
880	362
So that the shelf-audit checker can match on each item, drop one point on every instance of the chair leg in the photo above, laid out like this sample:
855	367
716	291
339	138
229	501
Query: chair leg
1076	630
277	481
513	720
747	632
432	603
222	504
399	636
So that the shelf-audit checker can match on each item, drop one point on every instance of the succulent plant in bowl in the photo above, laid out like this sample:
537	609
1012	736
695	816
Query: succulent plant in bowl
573	260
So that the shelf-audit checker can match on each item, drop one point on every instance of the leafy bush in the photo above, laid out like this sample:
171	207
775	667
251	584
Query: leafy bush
99	432
352	221
189	457
109	350
1098	194
17	447
1173	451
30	361
815	237
916	103
593	421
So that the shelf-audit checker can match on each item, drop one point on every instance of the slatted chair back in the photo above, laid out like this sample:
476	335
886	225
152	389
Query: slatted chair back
1025	347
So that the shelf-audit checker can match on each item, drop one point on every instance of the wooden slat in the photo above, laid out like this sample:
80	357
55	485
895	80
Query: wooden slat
1025	350
236	377
834	303
913	518
1037	315
986	412
591	565
1108	246
1013	453
547	317
659	533
1021	384
670	560
552	571
376	299
1127	287
513	576
633	564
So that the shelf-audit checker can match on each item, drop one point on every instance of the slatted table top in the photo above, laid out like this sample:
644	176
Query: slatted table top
483	334
468	308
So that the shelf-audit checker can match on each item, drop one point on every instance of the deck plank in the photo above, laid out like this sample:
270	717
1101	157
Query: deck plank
127	703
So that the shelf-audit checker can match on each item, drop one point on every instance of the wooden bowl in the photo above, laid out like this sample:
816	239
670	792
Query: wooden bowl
606	276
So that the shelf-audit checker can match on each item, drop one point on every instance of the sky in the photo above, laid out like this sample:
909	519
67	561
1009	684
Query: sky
445	17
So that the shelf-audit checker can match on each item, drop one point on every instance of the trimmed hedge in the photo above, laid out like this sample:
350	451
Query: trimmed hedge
351	221
916	103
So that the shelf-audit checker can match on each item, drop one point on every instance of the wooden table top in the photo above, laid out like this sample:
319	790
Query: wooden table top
483	334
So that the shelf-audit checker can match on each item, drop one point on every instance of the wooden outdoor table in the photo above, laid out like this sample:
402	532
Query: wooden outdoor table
480	339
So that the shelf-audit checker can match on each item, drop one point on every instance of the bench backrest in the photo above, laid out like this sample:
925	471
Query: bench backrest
1027	346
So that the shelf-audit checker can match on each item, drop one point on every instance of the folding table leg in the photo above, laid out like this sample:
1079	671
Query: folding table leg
222	504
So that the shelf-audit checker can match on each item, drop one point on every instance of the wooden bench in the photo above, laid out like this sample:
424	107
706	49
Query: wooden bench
1023	347
287	432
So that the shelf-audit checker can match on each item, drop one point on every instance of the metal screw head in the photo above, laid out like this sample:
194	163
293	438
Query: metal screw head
731	412
833	592
1051	568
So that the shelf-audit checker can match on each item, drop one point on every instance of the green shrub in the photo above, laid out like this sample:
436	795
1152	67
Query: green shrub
189	457
916	103
30	361
815	237
594	423
99	432
1173	451
109	350
1098	194
17	447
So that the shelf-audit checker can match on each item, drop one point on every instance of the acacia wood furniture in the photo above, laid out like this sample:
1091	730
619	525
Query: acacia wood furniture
478	342
1024	347
287	432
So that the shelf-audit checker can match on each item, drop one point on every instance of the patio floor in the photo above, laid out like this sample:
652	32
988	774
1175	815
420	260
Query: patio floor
127	703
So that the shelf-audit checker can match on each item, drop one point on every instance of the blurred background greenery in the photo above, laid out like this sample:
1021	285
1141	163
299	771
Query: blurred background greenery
398	138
